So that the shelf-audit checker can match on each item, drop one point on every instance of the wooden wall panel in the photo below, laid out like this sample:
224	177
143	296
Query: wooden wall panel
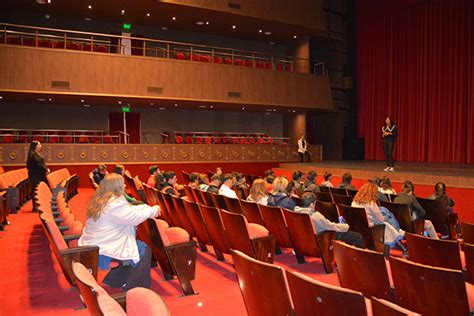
32	70
92	154
307	13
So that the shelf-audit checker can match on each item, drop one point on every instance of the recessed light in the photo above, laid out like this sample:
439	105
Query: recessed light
161	108
207	22
49	1
269	110
173	18
202	106
41	99
1	97
89	7
47	16
211	107
294	36
200	23
123	12
176	105
50	99
294	111
274	110
87	105
151	103
148	14
268	33
164	28
272	43
260	31
243	108
234	26
82	101
87	19
119	102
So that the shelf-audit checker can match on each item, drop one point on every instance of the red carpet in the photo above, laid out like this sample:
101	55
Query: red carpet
31	282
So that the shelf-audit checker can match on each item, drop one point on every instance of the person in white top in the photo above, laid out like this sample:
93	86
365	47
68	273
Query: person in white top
110	224
226	187
303	149
258	192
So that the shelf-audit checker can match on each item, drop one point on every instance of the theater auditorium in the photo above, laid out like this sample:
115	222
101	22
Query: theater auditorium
236	157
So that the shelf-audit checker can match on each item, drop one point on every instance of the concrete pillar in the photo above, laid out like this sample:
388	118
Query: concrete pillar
301	54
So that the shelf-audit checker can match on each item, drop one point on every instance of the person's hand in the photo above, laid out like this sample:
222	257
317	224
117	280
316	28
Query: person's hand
158	210
48	171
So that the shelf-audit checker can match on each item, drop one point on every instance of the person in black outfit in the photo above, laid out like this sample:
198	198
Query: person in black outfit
98	174
389	134
37	169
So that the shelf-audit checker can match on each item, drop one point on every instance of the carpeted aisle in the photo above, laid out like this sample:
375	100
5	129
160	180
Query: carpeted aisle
31	282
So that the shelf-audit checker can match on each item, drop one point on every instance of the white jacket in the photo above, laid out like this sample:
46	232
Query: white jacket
302	149
320	222
114	230
226	191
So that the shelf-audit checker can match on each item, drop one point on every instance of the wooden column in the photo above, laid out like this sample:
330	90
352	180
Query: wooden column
301	54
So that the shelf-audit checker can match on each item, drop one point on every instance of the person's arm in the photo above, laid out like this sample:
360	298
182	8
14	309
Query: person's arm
418	208
125	214
375	210
322	224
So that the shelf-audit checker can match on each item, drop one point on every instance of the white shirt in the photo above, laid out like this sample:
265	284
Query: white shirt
226	191
302	149
320	222
114	230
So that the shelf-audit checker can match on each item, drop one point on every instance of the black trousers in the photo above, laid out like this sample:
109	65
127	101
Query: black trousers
351	238
388	145
302	156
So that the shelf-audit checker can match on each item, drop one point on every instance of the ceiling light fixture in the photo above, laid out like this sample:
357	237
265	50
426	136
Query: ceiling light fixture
148	14
173	18
234	27
294	36
211	107
89	7
243	108
41	99
87	19
119	102
200	23
151	103
82	101
87	105
260	31
161	108
1	97
50	99
123	12
207	22
268	33
164	28
176	105
272	43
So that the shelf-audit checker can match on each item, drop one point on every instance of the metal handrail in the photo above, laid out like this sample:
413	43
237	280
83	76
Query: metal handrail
7	28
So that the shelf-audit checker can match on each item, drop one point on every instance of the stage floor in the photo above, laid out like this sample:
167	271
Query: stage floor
459	176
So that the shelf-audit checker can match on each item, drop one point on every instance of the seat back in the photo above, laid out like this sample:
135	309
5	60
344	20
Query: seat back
429	290
469	258
171	211
323	197
251	212
437	213
232	205
218	201
164	210
402	214
185	176
382	307
434	252
150	195
215	228
357	220
198	197
342	199
189	194
302	233
311	297
467	230
362	270
141	302
183	216
236	232
206	198
324	189
197	222
253	277
328	209
275	223
338	191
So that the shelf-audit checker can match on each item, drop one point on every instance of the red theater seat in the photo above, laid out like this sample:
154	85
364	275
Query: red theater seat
74	46
57	44
260	64
207	140
248	63
178	139
206	59
29	42
83	139
15	40
8	138
198	140
44	43
53	139
268	65
288	67
188	139
197	57
238	62
108	139
217	60
224	140
228	61
180	56
38	138
102	49
234	140
89	47
279	67
67	139
216	140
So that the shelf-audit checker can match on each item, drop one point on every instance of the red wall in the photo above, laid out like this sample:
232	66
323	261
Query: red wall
462	197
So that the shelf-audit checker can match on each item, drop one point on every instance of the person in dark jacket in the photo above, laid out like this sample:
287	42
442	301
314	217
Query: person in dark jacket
440	194
407	196
215	184
37	169
346	182
310	185
278	196
98	174
389	134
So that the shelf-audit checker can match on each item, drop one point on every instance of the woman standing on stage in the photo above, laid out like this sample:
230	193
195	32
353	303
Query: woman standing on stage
389	134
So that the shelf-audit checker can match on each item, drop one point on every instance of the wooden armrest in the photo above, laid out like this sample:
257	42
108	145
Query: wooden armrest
120	298
68	238
378	235
87	255
419	226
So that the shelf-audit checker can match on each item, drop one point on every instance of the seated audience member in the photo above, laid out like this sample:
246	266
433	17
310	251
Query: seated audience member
295	188
154	170
241	181
193	180
215	184
440	194
322	224
269	172
366	198
120	169
226	187
327	180
380	196
279	196
203	182
258	192
111	225
169	184
346	182
385	186
220	173
268	183
407	196
310	185
159	181
98	174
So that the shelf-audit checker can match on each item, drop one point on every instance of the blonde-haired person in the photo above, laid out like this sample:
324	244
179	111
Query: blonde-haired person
279	196
110	224
258	192
366	198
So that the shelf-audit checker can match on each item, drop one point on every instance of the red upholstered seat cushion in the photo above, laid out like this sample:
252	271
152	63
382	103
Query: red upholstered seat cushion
180	55
177	235
256	231
228	61
109	306
178	139
217	60
141	302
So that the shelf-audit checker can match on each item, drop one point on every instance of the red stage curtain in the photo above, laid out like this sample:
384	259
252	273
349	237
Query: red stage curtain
416	64
133	125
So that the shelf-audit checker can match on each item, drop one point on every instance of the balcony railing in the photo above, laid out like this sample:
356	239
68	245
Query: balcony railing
34	36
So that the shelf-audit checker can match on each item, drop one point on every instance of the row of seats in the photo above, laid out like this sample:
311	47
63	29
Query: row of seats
47	43
62	180
16	185
53	139
262	64
188	139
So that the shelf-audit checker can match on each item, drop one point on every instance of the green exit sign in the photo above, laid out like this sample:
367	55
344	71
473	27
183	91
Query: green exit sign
127	26
125	109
